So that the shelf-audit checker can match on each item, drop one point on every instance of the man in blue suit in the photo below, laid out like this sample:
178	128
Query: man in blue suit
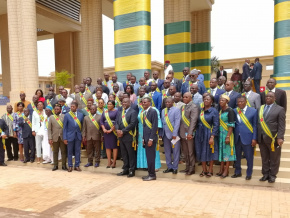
193	80
257	75
155	96
134	84
72	135
245	136
128	82
232	94
215	91
170	117
158	81
246	70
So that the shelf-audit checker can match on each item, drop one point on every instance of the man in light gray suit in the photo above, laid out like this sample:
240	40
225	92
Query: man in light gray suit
196	97
170	118
253	98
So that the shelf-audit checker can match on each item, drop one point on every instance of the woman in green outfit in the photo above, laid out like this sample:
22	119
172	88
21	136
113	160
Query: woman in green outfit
227	151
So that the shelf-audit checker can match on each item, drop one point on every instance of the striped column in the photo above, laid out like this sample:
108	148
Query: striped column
201	45
177	34
282	44
132	25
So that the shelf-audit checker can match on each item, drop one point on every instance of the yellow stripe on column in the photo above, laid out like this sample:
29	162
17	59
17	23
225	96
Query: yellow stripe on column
178	57
203	69
177	38
282	85
282	11
200	55
126	6
282	46
133	34
134	62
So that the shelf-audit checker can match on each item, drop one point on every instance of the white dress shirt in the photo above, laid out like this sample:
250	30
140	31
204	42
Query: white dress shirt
243	111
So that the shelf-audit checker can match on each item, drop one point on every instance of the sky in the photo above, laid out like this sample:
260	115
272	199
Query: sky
239	28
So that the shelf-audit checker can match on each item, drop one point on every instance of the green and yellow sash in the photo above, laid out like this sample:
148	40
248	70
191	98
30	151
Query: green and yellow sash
49	104
110	122
183	80
28	121
34	107
58	120
94	121
83	98
224	125
158	90
46	123
184	118
248	103
117	98
140	102
130	132
150	95
40	115
169	125
100	110
201	105
88	90
245	120
266	128
76	119
105	83
10	116
3	140
206	124
127	83
164	94
87	110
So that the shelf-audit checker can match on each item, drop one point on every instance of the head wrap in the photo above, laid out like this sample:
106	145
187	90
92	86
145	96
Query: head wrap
49	107
225	97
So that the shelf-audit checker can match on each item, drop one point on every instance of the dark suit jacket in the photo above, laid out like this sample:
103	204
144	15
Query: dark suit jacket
54	129
133	106
131	118
281	98
242	131
147	90
71	130
89	130
225	74
185	88
106	89
4	128
257	71
275	120
217	95
26	129
246	71
159	83
52	102
177	84
234	99
147	132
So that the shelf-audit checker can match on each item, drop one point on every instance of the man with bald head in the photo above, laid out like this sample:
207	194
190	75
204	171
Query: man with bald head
189	116
22	99
158	81
82	97
114	80
233	103
51	89
104	88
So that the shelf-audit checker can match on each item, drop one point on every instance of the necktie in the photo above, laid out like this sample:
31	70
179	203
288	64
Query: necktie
266	110
227	93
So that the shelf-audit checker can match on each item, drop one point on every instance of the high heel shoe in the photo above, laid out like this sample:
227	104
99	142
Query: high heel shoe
108	166
222	176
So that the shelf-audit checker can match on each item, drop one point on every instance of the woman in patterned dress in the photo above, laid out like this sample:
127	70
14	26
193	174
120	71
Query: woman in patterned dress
227	151
17	129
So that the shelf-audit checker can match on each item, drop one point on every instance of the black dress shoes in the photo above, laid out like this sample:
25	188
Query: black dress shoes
271	179
55	168
3	164
174	172
64	168
184	171
168	170
25	161
264	178
190	173
123	173
144	177
9	159
149	178
31	161
131	173
248	177
236	175
78	169
69	169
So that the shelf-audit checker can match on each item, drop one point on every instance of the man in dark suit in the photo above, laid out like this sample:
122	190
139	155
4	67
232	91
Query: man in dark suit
105	88
33	105
221	72
155	96
158	81
128	81
271	130
232	94
253	98
143	85
133	105
193	80
280	95
173	81
126	131
185	77
55	137
4	132
189	116
64	108
245	136
150	126
25	122
72	136
257	74
215	91
170	118
246	70
91	133
50	100
89	87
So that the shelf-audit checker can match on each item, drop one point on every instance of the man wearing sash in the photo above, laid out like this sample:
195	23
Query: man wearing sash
107	82
147	77
50	101
245	135
68	100
138	101
193	80
91	133
22	99
135	84
60	88
185	77
143	85
64	108
28	139
100	94
114	80
128	81
177	100
158	81
150	137
51	89
3	132
72	136
271	130
89	87
82	97
155	96
253	99
76	90
104	88
10	140
189	116
116	90
233	95
196	97
171	92
126	131
171	122
215	91
55	137
33	106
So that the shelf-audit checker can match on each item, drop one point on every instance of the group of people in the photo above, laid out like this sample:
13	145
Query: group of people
132	118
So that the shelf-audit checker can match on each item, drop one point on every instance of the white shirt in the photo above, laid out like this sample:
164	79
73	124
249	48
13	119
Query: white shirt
68	101
229	93
248	93
121	88
104	96
167	70
243	111
273	90
213	91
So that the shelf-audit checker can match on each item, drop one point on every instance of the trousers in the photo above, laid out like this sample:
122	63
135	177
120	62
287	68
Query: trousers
257	85
74	147
14	142
169	150
29	148
94	150
38	144
63	149
189	154
151	155
128	155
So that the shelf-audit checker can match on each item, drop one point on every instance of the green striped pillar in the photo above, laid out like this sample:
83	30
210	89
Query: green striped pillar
201	59
177	46
282	44
132	31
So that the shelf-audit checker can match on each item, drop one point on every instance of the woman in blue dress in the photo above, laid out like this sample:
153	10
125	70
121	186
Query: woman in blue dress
206	143
17	129
141	153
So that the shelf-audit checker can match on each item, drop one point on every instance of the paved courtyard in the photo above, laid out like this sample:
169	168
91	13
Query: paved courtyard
38	192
